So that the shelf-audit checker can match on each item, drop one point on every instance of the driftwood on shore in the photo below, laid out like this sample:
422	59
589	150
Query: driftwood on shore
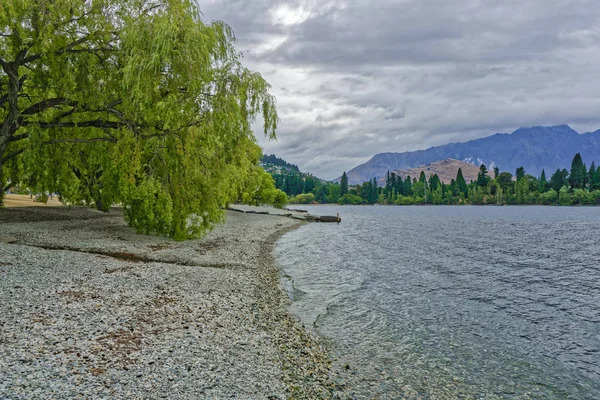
296	210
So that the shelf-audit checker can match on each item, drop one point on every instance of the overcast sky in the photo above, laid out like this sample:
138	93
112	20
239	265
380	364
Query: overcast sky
356	78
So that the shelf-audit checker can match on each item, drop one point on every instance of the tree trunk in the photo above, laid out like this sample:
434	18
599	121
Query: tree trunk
2	149
10	124
99	203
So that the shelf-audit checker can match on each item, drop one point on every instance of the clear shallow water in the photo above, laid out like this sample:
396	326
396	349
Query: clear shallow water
454	302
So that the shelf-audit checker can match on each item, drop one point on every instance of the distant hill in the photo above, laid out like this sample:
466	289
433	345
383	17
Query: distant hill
534	148
273	164
445	169
278	166
289	178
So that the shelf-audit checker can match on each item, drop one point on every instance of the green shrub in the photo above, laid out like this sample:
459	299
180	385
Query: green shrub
303	198
350	199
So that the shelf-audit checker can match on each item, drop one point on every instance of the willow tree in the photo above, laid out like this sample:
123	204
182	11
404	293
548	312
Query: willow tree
138	102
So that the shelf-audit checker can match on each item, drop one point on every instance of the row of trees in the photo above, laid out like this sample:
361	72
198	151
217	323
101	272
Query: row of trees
137	102
579	185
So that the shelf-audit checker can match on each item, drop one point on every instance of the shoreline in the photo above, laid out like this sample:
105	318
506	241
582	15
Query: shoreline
89	307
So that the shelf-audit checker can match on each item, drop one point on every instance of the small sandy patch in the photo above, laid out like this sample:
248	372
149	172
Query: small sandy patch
23	200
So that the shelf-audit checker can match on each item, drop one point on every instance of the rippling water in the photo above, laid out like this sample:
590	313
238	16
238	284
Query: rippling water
454	302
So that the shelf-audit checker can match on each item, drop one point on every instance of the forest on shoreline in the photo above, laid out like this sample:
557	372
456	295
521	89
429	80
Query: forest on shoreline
579	185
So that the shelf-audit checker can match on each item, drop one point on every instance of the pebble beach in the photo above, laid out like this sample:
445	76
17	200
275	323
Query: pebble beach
90	309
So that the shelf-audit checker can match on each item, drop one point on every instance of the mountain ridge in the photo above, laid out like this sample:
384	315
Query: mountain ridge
535	148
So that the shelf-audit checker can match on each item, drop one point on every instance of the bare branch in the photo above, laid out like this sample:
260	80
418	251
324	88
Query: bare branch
16	138
58	52
21	56
46	104
64	115
97	123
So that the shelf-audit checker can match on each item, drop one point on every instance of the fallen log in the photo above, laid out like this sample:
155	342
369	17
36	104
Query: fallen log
330	218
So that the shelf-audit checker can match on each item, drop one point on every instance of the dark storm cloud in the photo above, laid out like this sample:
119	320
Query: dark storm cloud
354	78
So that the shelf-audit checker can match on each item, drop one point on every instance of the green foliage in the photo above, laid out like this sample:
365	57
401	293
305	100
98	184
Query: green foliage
505	181
564	198
595	181
273	160
350	199
138	102
500	190
434	182
559	179
404	201
522	190
368	191
462	184
482	178
549	197
543	186
303	198
344	184
335	192
259	189
578	174
418	189
590	175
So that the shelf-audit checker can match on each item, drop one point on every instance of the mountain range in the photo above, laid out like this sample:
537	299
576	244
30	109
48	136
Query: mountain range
536	148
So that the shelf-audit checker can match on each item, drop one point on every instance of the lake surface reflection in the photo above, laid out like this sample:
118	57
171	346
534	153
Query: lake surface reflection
454	302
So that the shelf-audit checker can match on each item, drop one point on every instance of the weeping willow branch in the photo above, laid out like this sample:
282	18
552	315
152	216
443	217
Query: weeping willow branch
11	155
81	140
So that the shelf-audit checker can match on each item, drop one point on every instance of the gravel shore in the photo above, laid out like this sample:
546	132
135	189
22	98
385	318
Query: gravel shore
89	309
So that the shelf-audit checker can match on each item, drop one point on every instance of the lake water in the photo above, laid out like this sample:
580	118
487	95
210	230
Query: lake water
453	302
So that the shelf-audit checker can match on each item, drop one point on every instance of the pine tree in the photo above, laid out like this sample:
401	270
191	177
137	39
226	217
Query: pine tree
558	179
407	186
482	178
388	183
375	191
543	186
520	173
576	177
496	172
462	184
595	185
344	184
434	182
591	173
393	183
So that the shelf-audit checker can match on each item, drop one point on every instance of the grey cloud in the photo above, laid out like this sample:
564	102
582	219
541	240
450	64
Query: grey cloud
354	78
